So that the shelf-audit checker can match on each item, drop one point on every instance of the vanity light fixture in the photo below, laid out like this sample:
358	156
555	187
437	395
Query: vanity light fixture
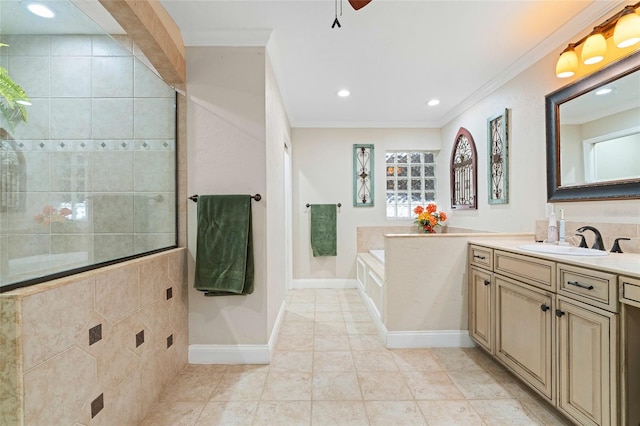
594	47
567	63
343	93
624	26
627	31
40	9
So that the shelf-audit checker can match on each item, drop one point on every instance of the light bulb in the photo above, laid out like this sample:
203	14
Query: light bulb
567	63
594	48
627	30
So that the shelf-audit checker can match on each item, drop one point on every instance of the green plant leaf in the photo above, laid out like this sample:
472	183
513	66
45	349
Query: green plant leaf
12	92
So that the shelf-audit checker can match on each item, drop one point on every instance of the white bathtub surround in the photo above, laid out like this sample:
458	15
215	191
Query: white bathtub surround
378	254
418	297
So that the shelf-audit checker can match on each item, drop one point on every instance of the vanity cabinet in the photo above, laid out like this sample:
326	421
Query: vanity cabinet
524	332
481	312
587	377
630	350
552	324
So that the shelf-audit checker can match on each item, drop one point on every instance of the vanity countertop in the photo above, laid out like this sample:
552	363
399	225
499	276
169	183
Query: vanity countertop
618	263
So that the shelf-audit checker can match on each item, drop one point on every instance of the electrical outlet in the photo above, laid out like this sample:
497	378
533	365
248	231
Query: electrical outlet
548	209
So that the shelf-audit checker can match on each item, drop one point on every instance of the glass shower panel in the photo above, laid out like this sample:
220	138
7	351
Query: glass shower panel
90	176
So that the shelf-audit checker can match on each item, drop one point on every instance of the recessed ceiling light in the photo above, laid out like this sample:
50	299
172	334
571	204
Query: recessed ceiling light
603	91
343	93
40	10
433	102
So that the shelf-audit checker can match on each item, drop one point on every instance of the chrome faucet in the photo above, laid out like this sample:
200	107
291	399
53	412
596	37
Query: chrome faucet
597	244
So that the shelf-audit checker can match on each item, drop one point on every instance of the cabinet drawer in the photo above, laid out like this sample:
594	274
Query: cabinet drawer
538	272
593	287
481	256
630	291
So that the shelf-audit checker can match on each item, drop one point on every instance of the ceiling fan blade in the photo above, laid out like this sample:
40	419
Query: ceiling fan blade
359	4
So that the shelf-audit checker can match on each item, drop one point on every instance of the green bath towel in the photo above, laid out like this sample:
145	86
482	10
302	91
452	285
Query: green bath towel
224	253
323	230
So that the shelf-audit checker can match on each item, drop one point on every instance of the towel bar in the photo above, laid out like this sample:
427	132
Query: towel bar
339	205
256	197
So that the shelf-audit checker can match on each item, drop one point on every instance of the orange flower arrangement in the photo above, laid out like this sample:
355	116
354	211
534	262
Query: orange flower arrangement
429	217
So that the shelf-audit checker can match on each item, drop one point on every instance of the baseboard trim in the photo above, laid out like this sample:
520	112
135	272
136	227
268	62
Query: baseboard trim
429	339
229	354
310	283
238	354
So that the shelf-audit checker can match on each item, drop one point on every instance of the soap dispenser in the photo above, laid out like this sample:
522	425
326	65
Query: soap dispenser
561	230
552	231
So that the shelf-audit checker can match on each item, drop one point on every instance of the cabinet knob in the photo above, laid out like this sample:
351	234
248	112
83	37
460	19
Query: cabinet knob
544	307
559	313
487	282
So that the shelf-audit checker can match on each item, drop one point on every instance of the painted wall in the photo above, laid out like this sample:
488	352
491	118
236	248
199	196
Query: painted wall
323	173
524	97
236	126
277	134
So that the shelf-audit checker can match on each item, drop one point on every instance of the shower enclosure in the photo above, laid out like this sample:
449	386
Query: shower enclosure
90	177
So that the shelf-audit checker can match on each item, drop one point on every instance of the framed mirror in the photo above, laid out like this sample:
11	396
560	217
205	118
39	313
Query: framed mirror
593	135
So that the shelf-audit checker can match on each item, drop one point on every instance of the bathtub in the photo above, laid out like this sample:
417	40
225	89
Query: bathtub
378	254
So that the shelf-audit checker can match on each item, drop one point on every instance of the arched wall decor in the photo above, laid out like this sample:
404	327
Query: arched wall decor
464	173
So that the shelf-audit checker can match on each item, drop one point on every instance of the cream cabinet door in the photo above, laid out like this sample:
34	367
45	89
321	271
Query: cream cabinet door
587	363
481	321
524	332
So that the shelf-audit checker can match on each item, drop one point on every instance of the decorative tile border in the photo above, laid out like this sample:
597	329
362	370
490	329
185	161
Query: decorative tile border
44	145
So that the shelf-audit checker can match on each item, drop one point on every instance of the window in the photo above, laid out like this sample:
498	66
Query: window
411	181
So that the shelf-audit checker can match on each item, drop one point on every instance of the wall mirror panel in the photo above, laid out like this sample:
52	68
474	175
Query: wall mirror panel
593	135
89	178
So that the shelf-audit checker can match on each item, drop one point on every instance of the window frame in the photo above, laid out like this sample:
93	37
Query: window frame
409	177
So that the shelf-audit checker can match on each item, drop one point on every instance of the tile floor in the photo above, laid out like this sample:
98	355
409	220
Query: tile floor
331	368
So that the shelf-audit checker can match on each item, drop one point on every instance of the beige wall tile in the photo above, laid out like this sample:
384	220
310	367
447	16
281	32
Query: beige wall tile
156	320
117	359
117	292
58	388
83	337
153	280
10	370
52	321
155	375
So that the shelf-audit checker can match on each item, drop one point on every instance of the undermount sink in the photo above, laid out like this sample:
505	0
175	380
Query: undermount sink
565	250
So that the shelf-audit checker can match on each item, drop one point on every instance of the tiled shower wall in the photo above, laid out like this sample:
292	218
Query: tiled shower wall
100	137
94	348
